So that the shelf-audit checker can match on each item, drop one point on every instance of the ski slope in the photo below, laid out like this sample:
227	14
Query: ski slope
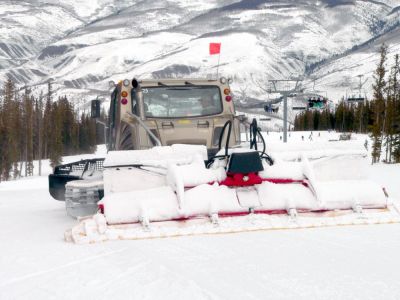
357	262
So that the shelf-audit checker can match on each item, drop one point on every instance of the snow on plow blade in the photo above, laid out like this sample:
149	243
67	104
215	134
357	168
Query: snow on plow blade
168	191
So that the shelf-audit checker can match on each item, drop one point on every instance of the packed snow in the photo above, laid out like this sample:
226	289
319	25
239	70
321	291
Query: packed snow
357	262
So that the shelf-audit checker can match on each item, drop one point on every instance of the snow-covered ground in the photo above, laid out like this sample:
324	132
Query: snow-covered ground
358	262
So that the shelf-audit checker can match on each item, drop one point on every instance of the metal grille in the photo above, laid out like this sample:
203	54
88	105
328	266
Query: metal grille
83	165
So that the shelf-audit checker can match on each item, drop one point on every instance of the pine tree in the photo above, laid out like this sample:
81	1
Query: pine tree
340	117
323	120
38	132
389	116
67	124
316	117
7	136
364	116
18	136
310	120
349	117
46	128
83	134
28	128
379	88
296	122
55	140
2	137
395	151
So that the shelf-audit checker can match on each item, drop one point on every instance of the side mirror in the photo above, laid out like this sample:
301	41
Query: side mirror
95	109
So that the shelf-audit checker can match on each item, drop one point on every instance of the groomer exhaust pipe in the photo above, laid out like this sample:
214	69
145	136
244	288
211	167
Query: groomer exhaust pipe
139	98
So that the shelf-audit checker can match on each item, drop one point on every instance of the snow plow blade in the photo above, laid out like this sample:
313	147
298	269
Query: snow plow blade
95	229
83	169
57	184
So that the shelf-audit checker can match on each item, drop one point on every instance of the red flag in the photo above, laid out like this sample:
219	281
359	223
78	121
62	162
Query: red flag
215	48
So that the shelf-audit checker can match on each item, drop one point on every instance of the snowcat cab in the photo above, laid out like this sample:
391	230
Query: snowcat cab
149	113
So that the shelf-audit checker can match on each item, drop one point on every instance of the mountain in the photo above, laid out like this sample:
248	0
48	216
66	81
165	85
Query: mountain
340	76
81	45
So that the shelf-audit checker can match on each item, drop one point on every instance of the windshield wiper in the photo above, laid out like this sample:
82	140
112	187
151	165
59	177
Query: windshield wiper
178	89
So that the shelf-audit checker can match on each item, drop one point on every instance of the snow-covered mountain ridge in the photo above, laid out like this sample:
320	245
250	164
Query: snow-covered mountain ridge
81	45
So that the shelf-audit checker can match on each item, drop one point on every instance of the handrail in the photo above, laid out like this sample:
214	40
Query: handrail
147	129
227	123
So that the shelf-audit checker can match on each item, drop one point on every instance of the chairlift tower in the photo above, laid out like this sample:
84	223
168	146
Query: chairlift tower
360	98
284	87
363	101
360	85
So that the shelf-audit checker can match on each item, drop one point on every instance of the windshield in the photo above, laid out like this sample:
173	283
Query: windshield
181	101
